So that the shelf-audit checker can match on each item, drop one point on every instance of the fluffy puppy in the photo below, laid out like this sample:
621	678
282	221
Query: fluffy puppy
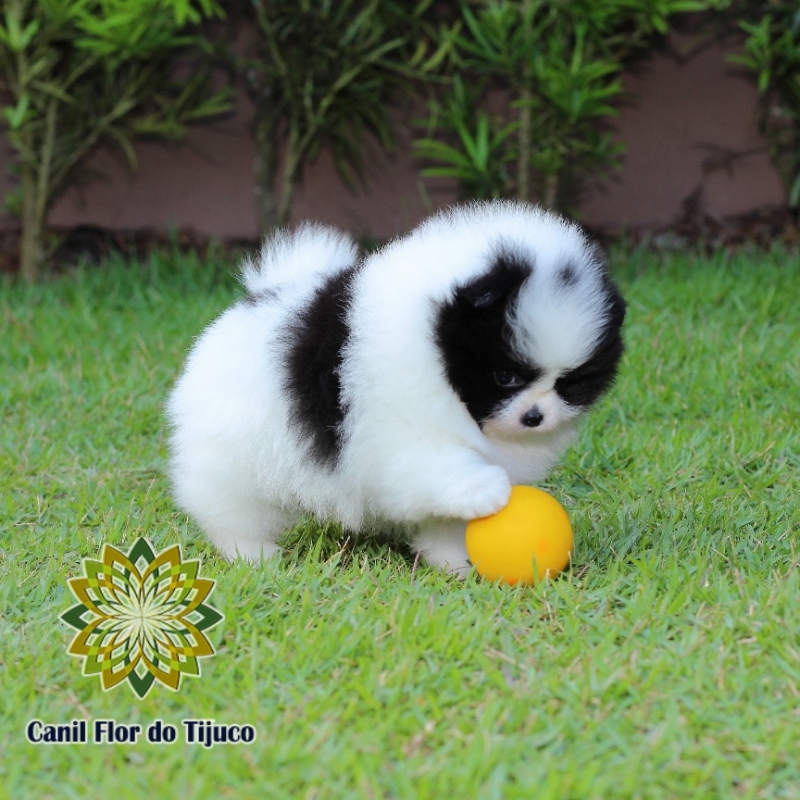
410	387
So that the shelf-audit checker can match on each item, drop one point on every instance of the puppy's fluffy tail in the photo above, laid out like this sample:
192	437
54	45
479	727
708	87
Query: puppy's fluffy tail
294	257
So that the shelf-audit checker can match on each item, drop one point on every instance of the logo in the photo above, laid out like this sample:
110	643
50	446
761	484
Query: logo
141	617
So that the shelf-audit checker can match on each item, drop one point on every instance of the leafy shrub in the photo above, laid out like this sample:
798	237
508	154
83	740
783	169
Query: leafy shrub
772	52
323	74
74	73
558	65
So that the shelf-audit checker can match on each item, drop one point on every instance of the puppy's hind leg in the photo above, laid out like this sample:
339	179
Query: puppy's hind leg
248	529
442	544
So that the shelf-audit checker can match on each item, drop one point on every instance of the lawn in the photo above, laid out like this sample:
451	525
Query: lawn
664	664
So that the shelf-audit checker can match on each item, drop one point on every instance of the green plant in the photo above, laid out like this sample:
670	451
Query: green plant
558	66
772	52
322	73
75	73
481	157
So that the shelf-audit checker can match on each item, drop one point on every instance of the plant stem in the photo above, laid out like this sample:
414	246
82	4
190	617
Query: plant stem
266	169
523	165
526	98
37	191
290	166
32	247
550	193
32	244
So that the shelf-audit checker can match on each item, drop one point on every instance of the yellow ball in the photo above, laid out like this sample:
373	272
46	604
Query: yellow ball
531	532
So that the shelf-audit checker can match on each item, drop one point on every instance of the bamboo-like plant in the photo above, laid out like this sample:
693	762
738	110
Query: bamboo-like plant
772	52
323	73
558	64
481	158
75	73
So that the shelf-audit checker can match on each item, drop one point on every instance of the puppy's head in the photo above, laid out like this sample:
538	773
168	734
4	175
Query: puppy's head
534	338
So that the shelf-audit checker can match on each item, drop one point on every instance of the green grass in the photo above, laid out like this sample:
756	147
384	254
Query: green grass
665	664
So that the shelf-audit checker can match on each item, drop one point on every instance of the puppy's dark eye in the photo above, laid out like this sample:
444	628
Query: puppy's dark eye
508	380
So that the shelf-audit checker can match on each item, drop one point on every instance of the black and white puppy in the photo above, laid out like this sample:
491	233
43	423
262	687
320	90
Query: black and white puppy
412	386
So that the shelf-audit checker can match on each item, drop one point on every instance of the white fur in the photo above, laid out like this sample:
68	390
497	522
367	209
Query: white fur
412	454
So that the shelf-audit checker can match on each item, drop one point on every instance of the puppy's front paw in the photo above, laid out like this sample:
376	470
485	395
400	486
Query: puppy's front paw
481	493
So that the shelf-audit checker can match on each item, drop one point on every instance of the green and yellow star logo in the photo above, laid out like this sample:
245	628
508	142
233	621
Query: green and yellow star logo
141	617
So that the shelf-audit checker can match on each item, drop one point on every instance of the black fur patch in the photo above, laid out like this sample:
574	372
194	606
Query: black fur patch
567	275
316	340
473	336
584	385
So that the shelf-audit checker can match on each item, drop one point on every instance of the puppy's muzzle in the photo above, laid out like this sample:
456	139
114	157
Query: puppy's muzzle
533	418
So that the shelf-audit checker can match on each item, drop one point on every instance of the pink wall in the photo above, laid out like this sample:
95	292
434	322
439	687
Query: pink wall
685	113
682	113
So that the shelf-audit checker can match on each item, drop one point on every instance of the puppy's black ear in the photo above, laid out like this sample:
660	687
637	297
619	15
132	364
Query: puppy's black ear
497	286
617	304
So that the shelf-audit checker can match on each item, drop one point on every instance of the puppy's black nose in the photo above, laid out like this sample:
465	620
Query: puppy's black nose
533	418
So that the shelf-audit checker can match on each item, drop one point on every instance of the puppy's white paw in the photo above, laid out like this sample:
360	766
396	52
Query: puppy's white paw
479	493
251	550
441	542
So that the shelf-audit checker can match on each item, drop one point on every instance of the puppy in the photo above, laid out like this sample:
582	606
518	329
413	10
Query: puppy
412	386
